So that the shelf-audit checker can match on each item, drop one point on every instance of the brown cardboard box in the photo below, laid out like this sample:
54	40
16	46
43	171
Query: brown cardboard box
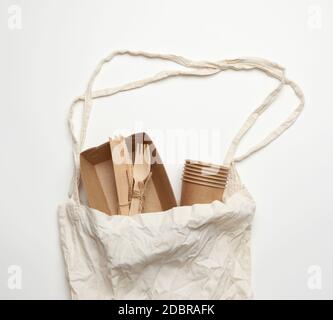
99	181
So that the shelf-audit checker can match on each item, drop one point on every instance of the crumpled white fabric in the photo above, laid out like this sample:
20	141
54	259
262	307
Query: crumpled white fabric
194	252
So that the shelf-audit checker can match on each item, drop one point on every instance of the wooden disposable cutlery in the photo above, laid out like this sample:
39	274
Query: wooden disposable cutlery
122	172
141	175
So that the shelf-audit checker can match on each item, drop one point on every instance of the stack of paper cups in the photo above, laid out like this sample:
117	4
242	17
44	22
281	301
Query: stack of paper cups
203	182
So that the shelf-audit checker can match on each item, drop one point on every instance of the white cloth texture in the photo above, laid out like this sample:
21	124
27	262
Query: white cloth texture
192	252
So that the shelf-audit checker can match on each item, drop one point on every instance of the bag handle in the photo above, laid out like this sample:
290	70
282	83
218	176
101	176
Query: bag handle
192	68
253	117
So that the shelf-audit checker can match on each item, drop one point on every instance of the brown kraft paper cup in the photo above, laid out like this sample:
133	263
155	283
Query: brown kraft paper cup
193	193
205	183
208	169
199	164
214	179
205	171
202	182
202	164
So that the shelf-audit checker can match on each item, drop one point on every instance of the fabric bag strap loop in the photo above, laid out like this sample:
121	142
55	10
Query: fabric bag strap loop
192	68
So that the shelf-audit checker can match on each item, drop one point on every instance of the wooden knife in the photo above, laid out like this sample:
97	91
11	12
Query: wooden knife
120	166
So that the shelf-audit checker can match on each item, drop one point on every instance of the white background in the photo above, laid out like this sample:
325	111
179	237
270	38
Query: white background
47	62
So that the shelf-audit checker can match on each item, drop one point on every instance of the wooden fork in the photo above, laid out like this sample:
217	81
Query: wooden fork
141	171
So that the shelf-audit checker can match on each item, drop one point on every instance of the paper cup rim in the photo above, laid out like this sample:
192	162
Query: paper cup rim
206	178
205	164
196	166
204	173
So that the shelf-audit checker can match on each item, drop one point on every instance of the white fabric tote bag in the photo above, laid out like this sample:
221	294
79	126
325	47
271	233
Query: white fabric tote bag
193	252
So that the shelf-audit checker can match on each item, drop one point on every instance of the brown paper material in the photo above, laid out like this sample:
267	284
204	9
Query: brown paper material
204	164
193	193
99	181
202	182
206	172
209	179
207	169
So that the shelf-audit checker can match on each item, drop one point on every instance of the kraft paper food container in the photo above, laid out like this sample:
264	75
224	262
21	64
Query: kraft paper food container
193	193
99	181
